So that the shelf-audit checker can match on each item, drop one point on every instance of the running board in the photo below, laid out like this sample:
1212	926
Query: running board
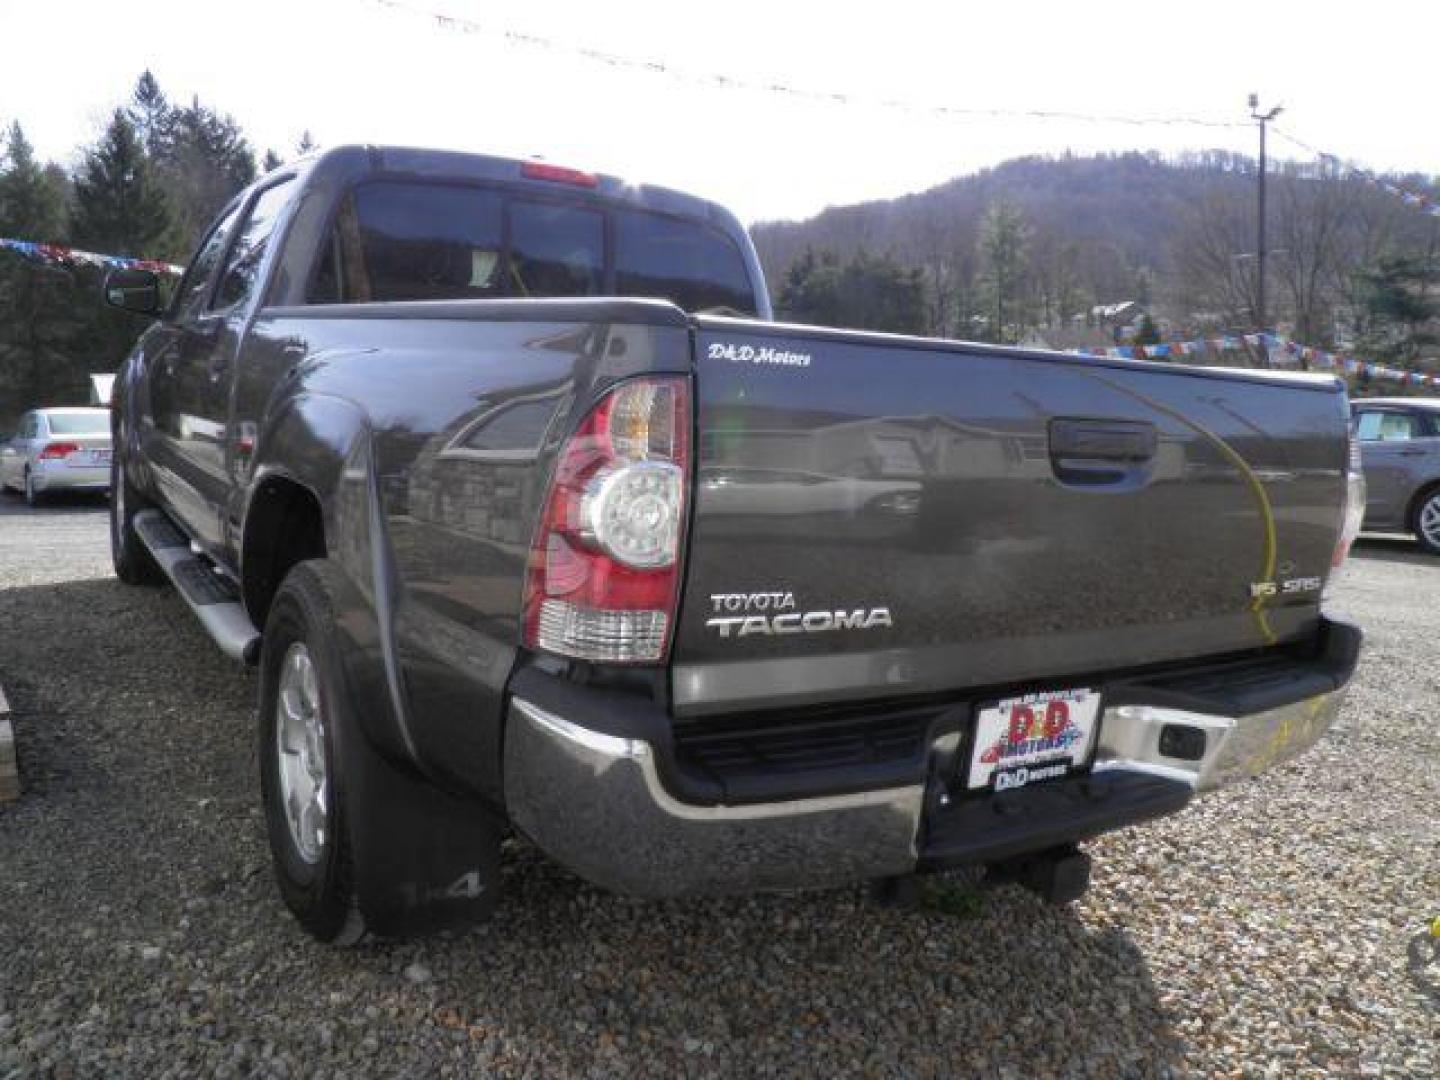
211	597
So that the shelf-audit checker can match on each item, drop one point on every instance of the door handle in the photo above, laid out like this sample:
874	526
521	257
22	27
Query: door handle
1412	452
1100	452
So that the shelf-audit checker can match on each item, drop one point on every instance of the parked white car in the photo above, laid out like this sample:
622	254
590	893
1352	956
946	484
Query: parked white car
58	450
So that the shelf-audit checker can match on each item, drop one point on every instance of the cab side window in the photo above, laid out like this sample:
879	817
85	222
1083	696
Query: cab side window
190	296
242	266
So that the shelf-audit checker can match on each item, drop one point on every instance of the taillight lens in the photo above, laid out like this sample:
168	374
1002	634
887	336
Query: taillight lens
558	174
58	450
1354	512
604	570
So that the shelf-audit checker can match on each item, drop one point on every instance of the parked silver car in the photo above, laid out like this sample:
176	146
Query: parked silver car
1400	448
58	450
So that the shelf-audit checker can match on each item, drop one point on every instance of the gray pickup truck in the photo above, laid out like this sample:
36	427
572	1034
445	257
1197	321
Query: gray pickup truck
534	521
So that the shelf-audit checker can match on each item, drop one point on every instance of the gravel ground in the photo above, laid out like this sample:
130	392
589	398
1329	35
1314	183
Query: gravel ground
1273	929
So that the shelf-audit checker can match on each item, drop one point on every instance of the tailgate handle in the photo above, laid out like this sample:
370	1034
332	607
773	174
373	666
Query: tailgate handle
1091	452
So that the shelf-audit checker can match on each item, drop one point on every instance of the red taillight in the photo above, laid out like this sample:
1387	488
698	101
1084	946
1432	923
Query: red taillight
559	174
59	450
1353	514
604	572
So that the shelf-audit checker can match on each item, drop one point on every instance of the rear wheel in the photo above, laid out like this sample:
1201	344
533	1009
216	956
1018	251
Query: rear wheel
304	699
1426	521
133	562
32	496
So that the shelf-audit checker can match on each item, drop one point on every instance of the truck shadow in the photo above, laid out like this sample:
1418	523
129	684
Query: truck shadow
136	747
1392	548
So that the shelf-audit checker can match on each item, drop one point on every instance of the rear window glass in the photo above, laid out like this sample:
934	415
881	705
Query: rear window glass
78	423
696	267
556	250
406	240
423	242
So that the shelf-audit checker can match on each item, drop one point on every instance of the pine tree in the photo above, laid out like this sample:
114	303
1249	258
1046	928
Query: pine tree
152	116
32	204
1004	237
867	291
207	162
1147	333
120	208
1402	307
270	162
306	144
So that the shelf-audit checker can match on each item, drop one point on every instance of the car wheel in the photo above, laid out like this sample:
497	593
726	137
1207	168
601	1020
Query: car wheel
133	562
32	497
1426	523
304	700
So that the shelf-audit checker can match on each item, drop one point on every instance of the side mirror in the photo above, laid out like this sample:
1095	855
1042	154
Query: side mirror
133	290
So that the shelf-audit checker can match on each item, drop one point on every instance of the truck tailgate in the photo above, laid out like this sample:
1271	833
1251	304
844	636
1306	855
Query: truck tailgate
879	517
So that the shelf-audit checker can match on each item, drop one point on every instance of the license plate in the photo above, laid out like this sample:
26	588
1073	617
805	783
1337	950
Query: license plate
1033	737
100	457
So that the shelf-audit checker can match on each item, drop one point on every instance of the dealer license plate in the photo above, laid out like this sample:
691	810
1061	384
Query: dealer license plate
1033	737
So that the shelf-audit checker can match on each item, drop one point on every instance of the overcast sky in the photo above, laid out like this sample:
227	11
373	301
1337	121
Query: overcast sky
357	71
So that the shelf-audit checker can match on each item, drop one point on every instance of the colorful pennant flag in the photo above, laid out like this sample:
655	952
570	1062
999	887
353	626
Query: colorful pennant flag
57	255
1281	348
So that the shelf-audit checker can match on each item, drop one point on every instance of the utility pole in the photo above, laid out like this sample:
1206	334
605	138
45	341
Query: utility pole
1262	119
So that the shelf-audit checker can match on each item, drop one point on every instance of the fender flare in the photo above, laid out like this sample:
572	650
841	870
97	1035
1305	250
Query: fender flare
324	444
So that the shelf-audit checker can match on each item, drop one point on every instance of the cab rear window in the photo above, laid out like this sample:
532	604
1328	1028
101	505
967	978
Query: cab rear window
696	267
412	240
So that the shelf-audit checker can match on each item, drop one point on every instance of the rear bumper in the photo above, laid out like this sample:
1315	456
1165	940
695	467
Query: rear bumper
597	801
70	478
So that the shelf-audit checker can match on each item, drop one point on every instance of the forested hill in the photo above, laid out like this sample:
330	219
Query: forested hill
1128	201
1051	237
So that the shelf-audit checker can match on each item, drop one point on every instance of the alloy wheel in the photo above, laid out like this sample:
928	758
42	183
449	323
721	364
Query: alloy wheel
1429	520
300	747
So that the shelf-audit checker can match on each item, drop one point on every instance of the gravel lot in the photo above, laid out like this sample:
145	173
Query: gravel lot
1274	929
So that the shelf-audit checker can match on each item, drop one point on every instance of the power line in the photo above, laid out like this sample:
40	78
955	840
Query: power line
730	82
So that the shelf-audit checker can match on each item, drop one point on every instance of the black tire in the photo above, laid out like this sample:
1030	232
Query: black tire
320	890
1428	501
133	562
33	498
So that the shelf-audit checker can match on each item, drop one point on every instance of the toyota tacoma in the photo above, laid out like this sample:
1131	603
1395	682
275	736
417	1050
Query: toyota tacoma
534	521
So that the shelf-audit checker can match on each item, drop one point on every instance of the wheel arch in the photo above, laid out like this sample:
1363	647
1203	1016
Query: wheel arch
284	525
295	505
1422	494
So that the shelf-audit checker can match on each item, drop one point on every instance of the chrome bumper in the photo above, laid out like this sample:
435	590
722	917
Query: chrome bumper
1235	747
596	802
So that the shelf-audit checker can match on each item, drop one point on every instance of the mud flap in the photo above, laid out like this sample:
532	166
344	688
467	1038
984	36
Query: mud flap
425	860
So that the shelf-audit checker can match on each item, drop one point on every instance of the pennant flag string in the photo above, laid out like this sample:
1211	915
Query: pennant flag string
56	254
1281	348
461	25
1418	200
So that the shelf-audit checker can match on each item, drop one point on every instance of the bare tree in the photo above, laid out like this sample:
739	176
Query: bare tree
1210	279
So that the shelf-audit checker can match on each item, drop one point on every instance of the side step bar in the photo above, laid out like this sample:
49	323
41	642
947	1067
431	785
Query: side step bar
211	597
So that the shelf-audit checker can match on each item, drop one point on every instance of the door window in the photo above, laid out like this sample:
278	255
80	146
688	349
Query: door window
189	298
242	266
1378	426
